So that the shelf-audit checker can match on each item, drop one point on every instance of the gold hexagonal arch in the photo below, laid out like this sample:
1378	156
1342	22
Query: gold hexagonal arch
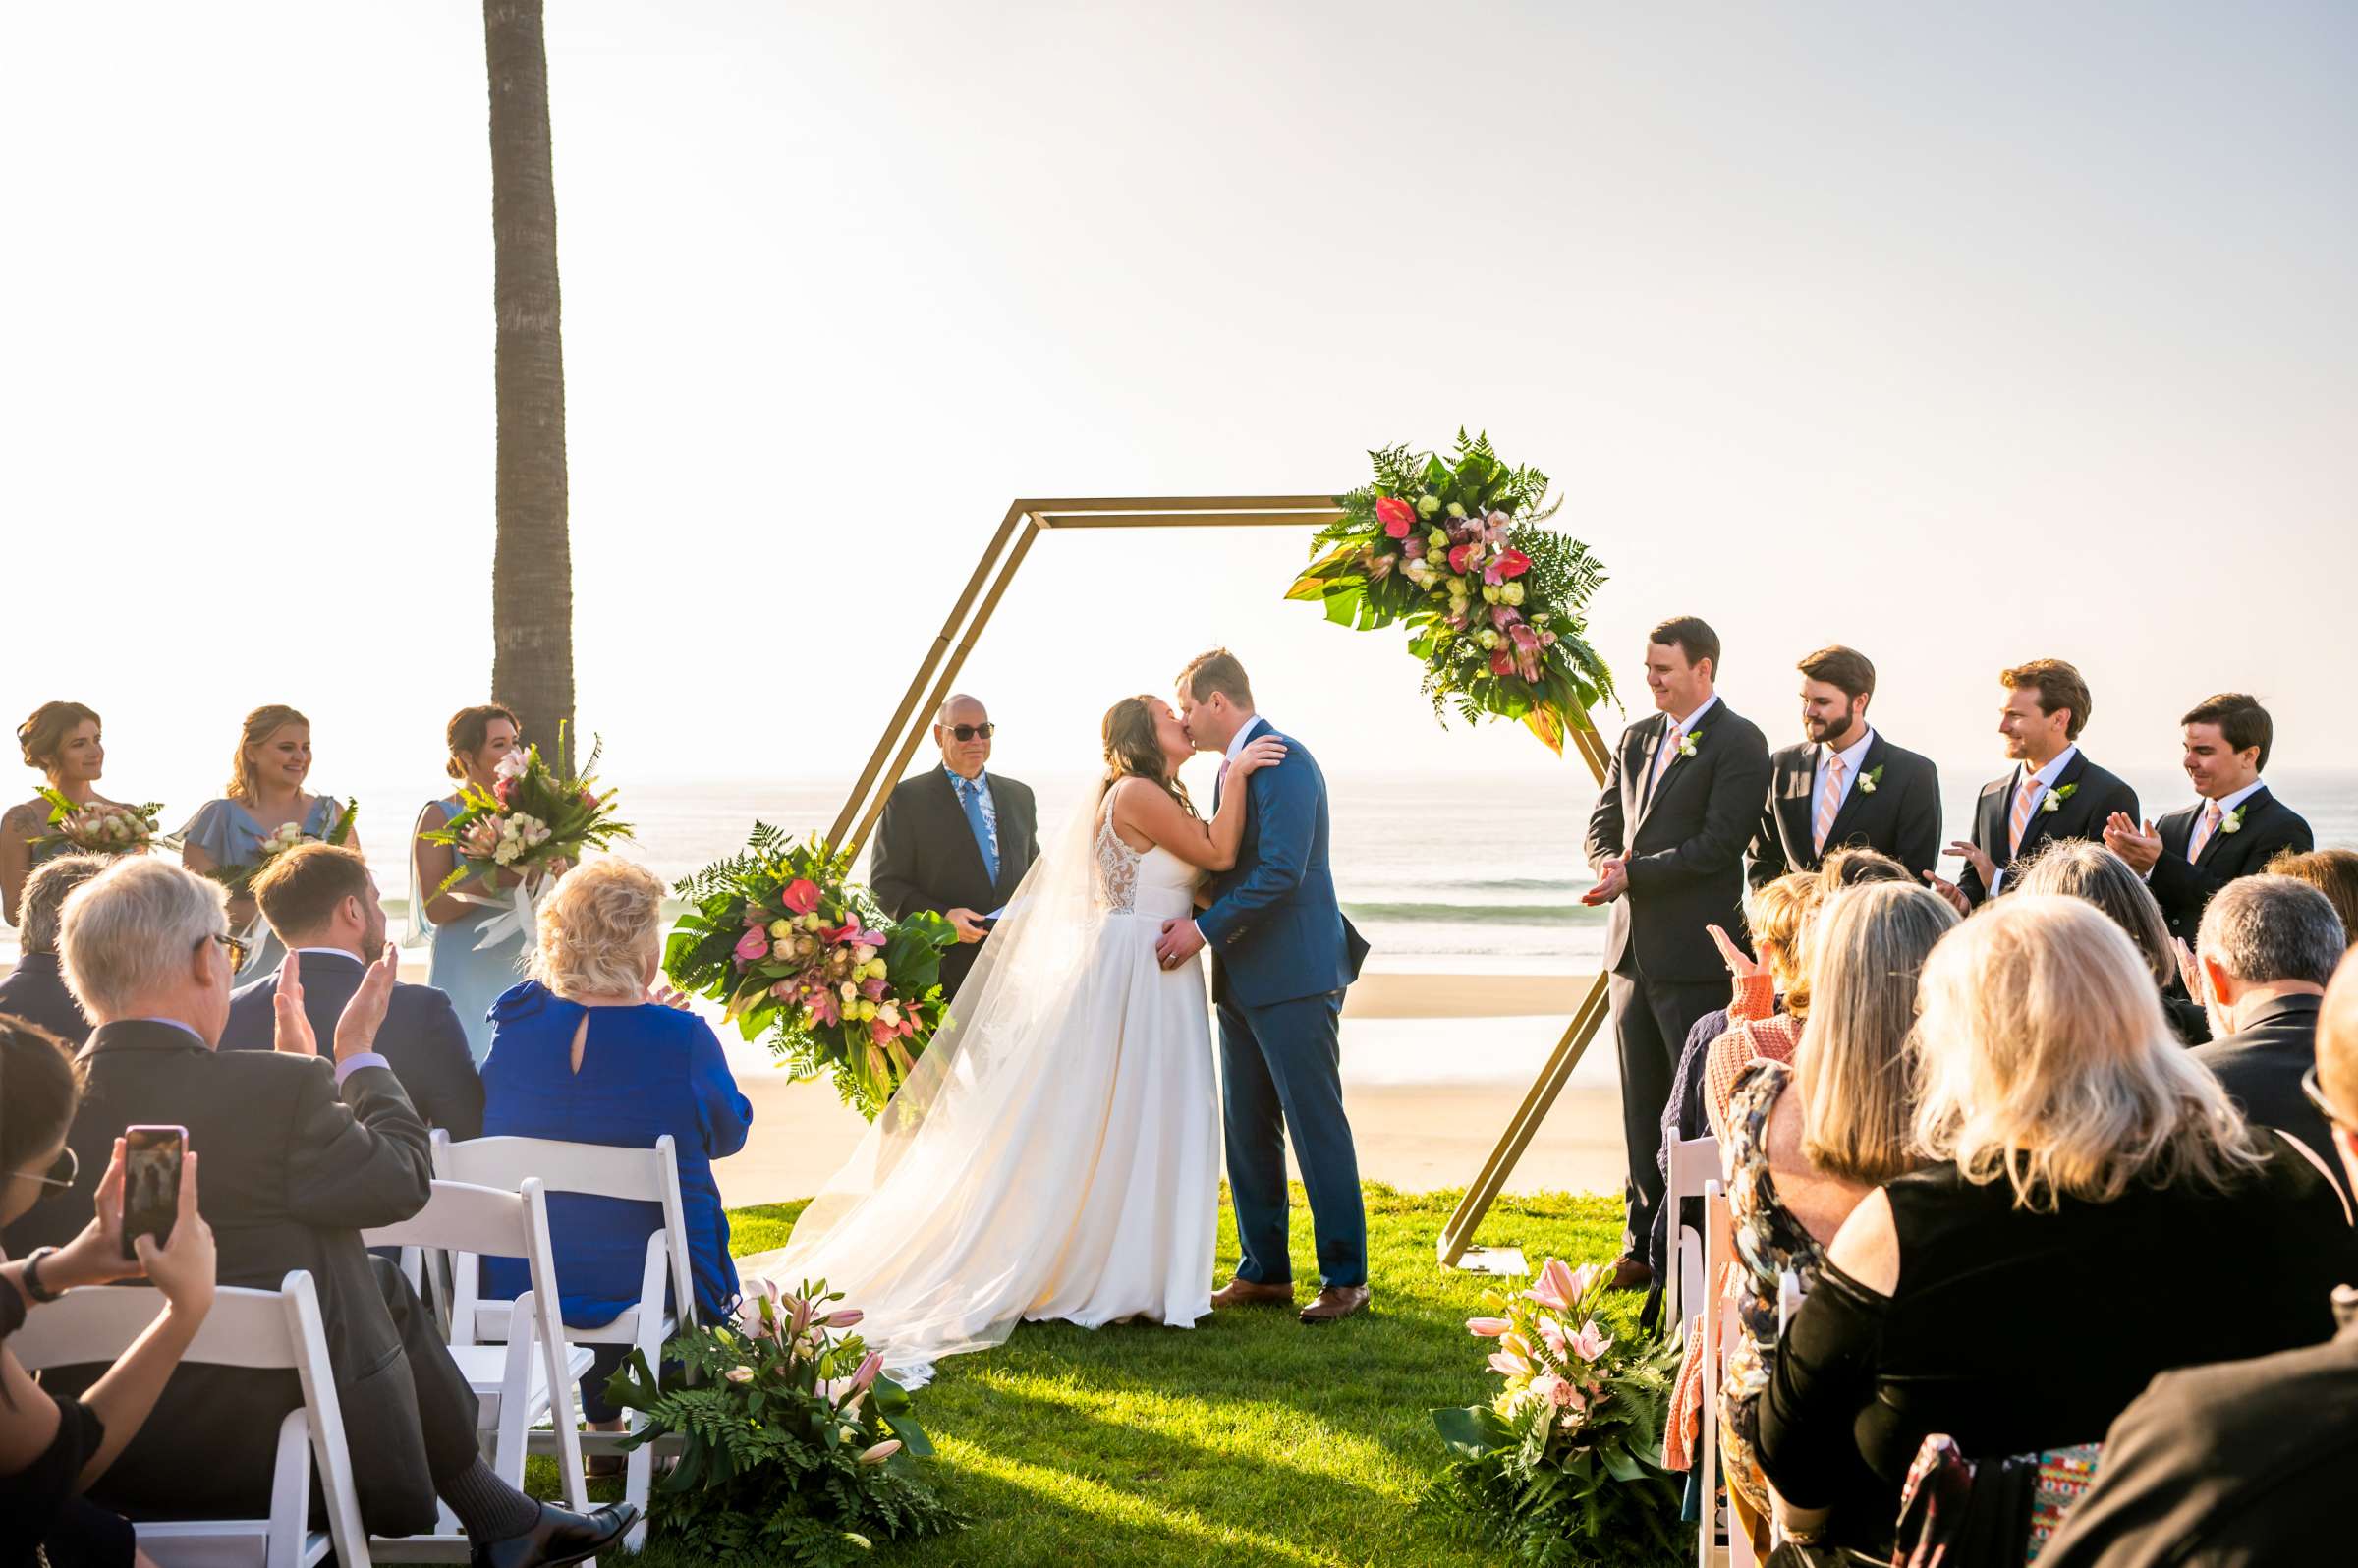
1002	558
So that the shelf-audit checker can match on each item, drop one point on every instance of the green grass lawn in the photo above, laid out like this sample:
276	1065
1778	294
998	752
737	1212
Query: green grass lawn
1249	1439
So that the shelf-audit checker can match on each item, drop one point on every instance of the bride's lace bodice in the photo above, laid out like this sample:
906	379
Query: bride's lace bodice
1131	881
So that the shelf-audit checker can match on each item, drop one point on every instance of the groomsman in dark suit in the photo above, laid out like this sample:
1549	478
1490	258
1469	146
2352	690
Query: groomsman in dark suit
2234	828
2053	792
956	839
1667	841
1845	787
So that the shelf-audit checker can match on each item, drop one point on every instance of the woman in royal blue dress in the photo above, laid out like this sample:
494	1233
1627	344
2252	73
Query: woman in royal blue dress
471	974
587	1052
265	794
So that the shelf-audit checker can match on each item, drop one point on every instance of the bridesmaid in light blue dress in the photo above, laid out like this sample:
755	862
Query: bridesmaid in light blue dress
473	979
265	793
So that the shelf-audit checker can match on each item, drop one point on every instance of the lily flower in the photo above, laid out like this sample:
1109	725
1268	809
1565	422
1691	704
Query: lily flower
869	1365
1487	1327
880	1452
1554	1289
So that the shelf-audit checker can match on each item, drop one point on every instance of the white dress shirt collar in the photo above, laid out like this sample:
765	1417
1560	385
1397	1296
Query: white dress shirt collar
331	952
2053	770
2228	803
1852	755
1686	726
1241	738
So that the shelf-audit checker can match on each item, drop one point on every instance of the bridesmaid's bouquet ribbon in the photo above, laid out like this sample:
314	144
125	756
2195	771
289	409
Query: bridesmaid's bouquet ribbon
535	815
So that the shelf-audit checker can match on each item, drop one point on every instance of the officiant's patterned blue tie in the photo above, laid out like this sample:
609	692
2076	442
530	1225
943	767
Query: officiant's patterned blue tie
970	794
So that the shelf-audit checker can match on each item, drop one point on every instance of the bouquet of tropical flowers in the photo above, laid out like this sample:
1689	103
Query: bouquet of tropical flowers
1495	603
787	943
101	827
1565	1467
239	878
534	813
795	1446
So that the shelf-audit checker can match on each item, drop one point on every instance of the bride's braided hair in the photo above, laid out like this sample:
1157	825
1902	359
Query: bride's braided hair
1133	750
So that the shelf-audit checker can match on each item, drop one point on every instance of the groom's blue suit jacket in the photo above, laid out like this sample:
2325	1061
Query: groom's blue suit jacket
1274	928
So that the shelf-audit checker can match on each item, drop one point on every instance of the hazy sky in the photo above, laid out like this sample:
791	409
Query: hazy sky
1968	337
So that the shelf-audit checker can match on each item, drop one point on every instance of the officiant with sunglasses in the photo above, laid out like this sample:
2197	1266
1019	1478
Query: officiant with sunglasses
956	839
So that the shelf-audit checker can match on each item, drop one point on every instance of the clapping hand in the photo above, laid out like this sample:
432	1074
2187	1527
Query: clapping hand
2190	973
365	1014
1979	859
1951	892
291	1032
1612	880
1740	964
2140	845
662	995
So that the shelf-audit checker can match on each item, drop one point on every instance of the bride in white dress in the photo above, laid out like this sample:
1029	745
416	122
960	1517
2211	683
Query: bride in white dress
1056	1151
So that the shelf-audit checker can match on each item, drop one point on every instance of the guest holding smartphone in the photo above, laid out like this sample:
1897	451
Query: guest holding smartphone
51	1448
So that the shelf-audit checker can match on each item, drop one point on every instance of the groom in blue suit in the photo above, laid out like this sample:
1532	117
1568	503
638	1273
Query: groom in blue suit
1281	956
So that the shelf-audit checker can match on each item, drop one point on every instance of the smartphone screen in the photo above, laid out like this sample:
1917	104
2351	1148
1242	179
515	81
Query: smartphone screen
150	1183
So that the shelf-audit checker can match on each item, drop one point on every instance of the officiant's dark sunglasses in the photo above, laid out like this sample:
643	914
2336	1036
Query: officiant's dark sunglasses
968	732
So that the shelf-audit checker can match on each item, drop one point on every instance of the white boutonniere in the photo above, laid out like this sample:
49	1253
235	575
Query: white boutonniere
1872	779
2056	798
2232	822
1686	744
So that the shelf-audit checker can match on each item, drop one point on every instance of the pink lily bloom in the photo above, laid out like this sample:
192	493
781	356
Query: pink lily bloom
880	1452
848	1318
1554	1288
1507	1366
1487	1327
1589	1343
869	1365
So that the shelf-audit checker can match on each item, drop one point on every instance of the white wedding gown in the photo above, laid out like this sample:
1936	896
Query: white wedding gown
1056	1151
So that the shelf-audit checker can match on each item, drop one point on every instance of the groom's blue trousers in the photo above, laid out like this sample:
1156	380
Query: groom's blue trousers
1280	1073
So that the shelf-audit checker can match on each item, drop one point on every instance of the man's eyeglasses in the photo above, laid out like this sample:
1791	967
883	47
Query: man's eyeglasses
969	732
2325	1106
239	951
61	1173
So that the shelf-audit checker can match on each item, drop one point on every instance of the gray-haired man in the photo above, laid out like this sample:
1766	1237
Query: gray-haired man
2267	948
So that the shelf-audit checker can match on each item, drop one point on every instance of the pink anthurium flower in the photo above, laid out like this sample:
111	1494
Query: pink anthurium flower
1513	564
753	947
1396	515
801	896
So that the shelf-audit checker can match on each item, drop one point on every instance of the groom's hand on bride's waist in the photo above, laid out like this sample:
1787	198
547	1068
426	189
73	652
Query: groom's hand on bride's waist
1179	942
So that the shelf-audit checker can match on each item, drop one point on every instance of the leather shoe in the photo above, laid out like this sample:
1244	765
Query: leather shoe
1337	1302
558	1539
1632	1273
1241	1292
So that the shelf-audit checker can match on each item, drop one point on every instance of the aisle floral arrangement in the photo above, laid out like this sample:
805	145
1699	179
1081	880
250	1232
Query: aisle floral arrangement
1565	1467
1497	604
534	814
101	827
782	939
797	1448
239	878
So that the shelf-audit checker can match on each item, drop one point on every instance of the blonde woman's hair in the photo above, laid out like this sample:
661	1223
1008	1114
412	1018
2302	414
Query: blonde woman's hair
256	727
2044	1060
2082	868
598	928
1780	911
1852	1071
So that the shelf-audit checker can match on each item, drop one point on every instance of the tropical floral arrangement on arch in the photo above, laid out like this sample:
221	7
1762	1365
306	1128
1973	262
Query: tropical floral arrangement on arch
239	878
787	943
1495	603
795	1446
1565	1467
103	828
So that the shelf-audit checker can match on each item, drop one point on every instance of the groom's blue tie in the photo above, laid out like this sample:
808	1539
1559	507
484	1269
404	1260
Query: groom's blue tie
970	794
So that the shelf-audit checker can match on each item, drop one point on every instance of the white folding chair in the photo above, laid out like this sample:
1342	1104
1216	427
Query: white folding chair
601	1170
260	1330
1718	1542
1693	1161
531	1378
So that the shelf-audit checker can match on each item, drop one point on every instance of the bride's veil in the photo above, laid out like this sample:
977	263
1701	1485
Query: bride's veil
911	1198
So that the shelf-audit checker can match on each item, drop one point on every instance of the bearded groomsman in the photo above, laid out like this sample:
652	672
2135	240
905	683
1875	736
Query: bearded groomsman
1845	787
1666	842
2234	828
2054	790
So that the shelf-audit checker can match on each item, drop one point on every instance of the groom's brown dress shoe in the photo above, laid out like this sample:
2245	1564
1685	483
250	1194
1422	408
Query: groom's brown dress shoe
1631	1274
1335	1303
1251	1293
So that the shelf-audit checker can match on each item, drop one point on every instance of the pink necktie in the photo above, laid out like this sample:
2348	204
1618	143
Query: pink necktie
2202	832
1830	800
2024	799
1661	757
1220	782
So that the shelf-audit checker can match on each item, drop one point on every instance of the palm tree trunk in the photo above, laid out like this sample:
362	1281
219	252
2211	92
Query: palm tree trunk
532	565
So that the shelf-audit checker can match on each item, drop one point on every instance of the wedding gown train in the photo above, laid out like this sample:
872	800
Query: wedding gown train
1056	1154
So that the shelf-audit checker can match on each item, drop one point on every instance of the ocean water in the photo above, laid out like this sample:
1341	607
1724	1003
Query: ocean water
1438	872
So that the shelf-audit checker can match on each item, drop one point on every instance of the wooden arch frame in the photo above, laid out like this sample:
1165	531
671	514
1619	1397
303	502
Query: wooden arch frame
1002	558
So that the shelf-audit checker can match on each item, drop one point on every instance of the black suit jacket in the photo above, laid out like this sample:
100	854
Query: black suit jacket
292	1170
1684	843
421	1036
1900	816
2227	1466
2094	796
926	858
35	992
2261	1065
2184	889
